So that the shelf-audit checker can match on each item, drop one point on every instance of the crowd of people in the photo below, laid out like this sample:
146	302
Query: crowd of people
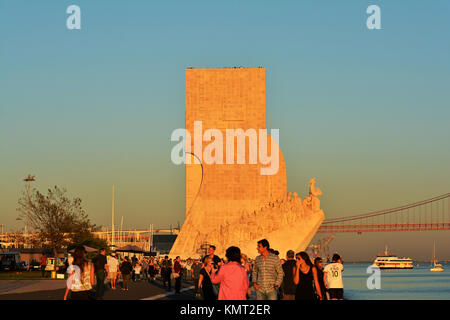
297	277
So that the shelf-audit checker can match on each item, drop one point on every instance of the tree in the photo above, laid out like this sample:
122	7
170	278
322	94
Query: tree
57	220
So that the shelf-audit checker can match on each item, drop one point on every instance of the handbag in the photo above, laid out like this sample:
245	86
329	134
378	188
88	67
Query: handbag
175	275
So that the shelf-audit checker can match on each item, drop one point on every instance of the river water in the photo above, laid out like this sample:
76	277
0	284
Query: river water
415	284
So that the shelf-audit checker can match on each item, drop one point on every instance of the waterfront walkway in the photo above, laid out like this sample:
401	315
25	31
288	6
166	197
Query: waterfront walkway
26	286
54	290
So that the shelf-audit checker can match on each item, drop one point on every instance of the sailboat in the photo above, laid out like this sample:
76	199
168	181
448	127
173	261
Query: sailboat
436	266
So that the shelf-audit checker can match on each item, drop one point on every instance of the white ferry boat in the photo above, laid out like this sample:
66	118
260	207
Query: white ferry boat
391	261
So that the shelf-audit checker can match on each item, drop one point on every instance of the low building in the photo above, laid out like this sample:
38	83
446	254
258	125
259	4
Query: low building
162	243
30	254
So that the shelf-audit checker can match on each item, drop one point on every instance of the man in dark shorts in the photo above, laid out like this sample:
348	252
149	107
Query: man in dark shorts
333	278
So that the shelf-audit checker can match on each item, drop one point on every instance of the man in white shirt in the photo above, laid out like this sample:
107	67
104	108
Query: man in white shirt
113	268
333	278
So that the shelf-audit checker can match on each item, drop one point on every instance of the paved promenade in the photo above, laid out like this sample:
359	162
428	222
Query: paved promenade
24	286
54	290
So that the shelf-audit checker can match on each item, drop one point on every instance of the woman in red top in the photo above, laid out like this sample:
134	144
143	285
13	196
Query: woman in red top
232	277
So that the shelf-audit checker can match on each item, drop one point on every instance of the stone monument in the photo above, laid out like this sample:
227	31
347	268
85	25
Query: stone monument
234	204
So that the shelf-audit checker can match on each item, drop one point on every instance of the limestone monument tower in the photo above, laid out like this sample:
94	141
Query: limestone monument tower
234	203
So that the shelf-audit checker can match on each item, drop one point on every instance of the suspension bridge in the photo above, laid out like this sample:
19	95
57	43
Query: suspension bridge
425	215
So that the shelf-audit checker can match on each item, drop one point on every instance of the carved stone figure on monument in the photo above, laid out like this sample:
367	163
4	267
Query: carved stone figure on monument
307	203
314	193
284	218
283	206
313	190
297	201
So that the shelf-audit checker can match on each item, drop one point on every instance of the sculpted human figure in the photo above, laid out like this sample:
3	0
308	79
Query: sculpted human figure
284	218
314	192
259	230
290	216
307	203
297	200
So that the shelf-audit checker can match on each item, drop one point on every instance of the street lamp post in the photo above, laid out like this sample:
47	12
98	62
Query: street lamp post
112	219
22	239
28	179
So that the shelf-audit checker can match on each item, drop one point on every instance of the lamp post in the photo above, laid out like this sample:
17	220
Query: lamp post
112	219
28	179
23	233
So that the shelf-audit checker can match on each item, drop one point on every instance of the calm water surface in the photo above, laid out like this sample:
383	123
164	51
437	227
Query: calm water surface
416	284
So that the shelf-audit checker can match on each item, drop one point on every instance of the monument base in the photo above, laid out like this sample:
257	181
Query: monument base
289	224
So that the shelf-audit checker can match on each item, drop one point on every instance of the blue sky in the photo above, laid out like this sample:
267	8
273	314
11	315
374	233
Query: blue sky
364	111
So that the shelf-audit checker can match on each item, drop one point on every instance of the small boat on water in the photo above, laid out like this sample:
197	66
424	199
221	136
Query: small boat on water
391	261
437	267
